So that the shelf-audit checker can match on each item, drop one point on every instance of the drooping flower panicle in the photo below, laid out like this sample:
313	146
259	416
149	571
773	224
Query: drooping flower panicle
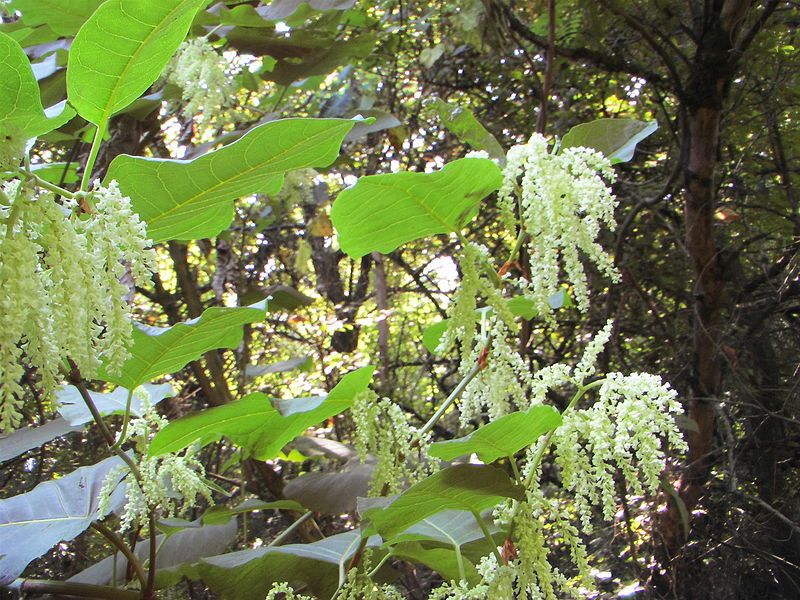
61	289
563	202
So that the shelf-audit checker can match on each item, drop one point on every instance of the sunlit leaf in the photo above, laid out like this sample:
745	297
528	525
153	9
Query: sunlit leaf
615	138
472	488
381	212
502	437
161	350
21	111
121	50
185	200
259	424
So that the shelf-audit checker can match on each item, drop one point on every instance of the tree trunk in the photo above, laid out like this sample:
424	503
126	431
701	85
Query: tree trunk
704	95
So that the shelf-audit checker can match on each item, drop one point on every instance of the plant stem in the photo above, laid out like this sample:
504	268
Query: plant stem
380	564
450	399
515	469
100	131
488	535
120	545
126	417
290	529
77	380
56	189
149	590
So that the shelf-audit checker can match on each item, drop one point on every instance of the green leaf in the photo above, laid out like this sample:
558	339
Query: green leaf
61	509
217	515
184	200
121	50
21	111
258	424
501	438
381	212
64	17
160	350
432	335
442	560
472	488
249	574
615	138
462	122
521	306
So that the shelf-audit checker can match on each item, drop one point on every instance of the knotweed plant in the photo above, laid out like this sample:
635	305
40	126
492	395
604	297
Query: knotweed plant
615	427
75	267
166	485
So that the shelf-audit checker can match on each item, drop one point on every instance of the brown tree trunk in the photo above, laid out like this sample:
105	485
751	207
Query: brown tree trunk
704	95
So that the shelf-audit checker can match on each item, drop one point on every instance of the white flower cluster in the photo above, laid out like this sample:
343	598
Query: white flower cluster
60	288
359	586
383	431
505	381
164	479
564	202
622	430
202	74
283	591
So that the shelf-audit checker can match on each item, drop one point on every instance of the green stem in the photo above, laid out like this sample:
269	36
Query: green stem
126	417
98	140
462	574
380	564
517	245
450	399
120	545
488	535
56	189
291	529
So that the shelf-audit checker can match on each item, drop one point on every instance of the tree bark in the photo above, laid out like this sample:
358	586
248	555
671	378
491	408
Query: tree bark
705	92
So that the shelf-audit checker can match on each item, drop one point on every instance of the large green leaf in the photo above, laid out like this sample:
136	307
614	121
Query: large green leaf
189	544
161	350
615	138
32	523
21	111
192	199
121	50
249	574
65	17
448	562
462	122
259	424
448	532
381	212
501	438
472	488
